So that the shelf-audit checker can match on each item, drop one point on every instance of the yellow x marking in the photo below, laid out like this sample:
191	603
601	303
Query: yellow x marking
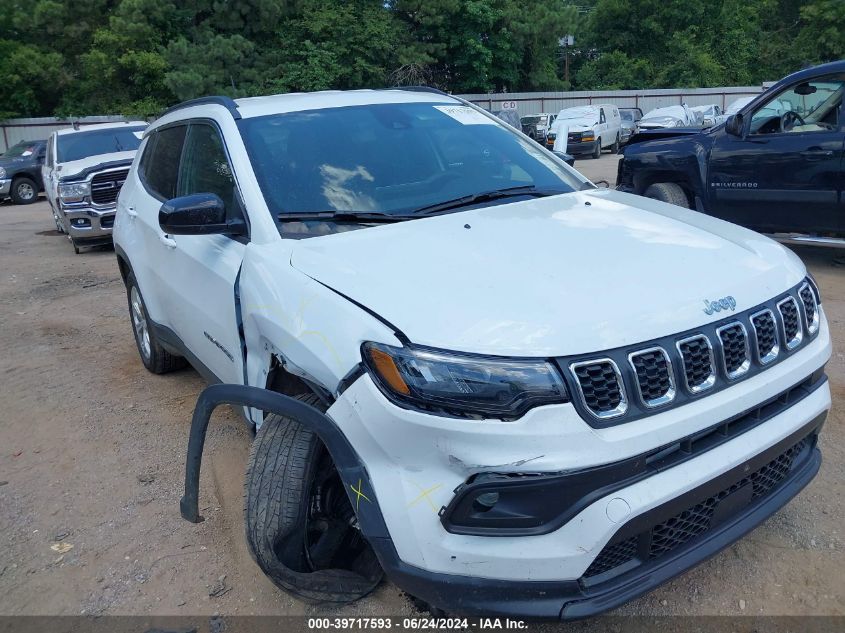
425	495
359	494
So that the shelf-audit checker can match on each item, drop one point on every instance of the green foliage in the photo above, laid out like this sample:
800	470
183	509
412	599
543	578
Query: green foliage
136	57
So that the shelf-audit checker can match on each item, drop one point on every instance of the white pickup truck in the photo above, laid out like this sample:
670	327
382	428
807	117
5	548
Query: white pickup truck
83	172
469	369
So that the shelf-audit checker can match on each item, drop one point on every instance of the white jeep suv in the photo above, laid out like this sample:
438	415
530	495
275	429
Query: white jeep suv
506	389
83	172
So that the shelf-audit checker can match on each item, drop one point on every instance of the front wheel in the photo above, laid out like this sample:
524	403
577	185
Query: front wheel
669	192
597	150
300	525
24	191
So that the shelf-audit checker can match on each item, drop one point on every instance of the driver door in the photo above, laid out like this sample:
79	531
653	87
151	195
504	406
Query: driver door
784	173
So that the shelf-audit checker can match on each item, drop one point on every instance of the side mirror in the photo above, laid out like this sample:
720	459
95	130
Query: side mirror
733	125
198	214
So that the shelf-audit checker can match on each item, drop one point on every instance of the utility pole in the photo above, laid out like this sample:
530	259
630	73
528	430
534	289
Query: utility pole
566	42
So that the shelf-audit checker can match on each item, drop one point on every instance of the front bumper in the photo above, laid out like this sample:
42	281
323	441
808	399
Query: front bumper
578	148
87	224
5	186
415	461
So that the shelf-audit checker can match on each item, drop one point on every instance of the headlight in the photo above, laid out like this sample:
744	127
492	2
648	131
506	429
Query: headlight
2	173
74	191
474	386
588	137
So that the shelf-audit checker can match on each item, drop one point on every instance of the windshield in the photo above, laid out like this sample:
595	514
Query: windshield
24	148
84	144
626	115
391	158
534	120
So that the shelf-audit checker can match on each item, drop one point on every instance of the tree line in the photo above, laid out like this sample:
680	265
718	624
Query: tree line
136	57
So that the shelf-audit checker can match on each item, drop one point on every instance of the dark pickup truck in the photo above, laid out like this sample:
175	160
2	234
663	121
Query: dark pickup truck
775	167
20	171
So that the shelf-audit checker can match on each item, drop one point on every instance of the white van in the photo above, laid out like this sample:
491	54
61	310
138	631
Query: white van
589	129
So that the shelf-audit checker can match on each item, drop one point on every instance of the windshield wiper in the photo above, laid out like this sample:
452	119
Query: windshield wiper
342	216
487	196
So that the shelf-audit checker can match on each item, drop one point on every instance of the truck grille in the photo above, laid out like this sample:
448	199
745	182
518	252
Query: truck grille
766	334
811	313
700	361
106	186
683	527
654	376
788	309
734	344
697	358
601	387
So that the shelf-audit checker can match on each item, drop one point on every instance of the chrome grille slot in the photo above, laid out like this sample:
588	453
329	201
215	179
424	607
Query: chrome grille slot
698	368
653	370
811	309
733	341
601	388
765	335
106	186
793	333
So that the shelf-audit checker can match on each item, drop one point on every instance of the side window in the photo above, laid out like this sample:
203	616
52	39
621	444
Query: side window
810	106
159	165
205	168
601	116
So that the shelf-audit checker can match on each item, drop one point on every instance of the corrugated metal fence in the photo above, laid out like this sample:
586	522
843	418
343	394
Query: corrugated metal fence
536	102
14	131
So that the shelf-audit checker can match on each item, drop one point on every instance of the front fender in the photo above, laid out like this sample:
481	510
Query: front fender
315	332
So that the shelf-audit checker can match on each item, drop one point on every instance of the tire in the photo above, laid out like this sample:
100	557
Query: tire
614	149
155	358
23	191
597	150
75	248
668	192
289	480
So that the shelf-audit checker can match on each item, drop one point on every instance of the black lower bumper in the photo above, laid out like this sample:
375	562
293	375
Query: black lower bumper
573	599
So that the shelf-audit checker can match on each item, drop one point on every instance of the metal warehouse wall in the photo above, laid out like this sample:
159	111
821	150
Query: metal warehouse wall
13	131
533	102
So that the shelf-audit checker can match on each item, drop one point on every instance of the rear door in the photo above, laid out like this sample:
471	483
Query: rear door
784	173
47	170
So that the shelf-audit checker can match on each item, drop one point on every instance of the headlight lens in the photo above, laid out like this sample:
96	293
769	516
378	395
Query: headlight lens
588	137
2	173
74	191
473	386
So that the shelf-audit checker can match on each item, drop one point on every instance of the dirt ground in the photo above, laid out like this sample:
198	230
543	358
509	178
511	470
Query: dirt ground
92	451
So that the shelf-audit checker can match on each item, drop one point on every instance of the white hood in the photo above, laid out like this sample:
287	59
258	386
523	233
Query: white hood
569	274
74	167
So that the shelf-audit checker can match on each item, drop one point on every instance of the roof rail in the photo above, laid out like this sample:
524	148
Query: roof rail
421	89
226	102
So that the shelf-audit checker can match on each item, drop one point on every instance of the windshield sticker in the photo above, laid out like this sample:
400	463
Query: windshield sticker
466	115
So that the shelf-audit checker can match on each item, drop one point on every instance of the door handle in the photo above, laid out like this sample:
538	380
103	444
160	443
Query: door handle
167	240
131	212
817	153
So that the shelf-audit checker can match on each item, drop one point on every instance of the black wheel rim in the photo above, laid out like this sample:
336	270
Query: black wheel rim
332	537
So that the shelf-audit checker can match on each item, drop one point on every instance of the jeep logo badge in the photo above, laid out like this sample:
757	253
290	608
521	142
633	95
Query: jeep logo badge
725	303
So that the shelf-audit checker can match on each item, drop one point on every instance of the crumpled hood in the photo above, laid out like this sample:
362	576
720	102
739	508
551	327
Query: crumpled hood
569	274
574	125
75	167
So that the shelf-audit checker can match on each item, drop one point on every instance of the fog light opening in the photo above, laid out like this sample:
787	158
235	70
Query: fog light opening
485	501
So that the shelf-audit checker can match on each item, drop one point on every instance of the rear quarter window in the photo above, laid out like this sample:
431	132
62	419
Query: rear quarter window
159	166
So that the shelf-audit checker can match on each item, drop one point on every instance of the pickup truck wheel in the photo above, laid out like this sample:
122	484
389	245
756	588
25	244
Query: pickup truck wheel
23	191
597	150
668	192
155	358
300	525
